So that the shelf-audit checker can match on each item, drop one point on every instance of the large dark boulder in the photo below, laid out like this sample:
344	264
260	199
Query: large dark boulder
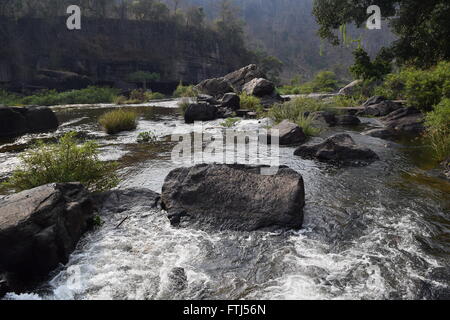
380	109
39	228
15	121
339	148
235	197
200	112
259	87
289	133
231	101
215	87
244	75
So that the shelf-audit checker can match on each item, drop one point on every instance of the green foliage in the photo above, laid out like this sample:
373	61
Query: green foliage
230	122
9	99
183	91
89	95
144	77
249	102
62	162
294	109
438	129
423	34
97	221
183	105
365	69
118	120
323	82
348	101
155	96
421	88
306	123
146	137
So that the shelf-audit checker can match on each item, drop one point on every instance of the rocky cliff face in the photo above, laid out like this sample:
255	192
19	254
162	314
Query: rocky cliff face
107	50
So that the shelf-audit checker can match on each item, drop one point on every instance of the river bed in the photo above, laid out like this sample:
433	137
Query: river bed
375	232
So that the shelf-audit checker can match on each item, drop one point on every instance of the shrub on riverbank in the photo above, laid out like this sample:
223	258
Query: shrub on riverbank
89	95
118	120
250	102
323	82
64	161
183	91
422	89
298	111
438	129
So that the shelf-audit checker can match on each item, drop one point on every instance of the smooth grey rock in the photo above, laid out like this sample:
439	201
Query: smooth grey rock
347	120
125	199
235	197
244	75
215	87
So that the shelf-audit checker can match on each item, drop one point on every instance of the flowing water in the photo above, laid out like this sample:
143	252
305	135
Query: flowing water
375	232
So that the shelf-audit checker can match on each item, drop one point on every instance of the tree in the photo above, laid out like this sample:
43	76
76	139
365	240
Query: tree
195	16
365	69
143	76
422	27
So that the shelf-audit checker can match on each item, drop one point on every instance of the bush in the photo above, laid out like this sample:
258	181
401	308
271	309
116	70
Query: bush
293	109
9	99
184	91
250	102
422	89
306	123
146	137
365	69
438	129
89	95
230	122
118	121
348	101
155	96
120	100
62	162
323	82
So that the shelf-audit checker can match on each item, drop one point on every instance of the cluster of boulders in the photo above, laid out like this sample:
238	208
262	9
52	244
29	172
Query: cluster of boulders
397	119
219	97
16	121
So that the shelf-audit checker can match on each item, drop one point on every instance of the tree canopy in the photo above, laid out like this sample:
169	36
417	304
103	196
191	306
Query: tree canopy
422	27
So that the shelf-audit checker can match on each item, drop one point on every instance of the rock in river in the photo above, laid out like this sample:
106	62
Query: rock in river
290	133
338	148
39	228
15	121
235	197
259	87
201	111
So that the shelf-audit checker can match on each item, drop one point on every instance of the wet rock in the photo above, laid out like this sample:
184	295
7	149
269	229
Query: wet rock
446	167
39	228
350	89
259	87
177	279
231	101
338	148
235	197
347	120
374	100
206	98
290	133
200	112
215	87
324	118
123	200
380	109
15	121
405	120
244	75
382	133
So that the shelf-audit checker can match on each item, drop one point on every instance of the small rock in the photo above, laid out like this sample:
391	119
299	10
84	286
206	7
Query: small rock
231	101
382	133
200	112
347	120
339	148
290	133
374	100
177	279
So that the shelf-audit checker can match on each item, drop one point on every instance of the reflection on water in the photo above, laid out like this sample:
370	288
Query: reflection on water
373	232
